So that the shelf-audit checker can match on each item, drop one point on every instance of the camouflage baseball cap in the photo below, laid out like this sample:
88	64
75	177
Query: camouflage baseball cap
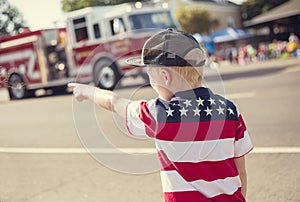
170	47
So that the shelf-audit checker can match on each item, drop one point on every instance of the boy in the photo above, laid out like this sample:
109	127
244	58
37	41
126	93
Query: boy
200	137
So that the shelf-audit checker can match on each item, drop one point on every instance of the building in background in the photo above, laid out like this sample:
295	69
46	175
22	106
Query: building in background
278	23
227	13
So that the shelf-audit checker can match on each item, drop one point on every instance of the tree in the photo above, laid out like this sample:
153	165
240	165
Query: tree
71	5
252	8
11	20
195	19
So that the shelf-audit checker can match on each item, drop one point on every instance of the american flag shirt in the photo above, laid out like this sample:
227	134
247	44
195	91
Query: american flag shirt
197	134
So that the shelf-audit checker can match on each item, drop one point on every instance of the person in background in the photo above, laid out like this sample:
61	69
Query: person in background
262	52
242	55
292	46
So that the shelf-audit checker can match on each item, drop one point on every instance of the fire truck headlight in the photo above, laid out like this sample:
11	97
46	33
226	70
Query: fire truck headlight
60	66
52	57
138	5
165	5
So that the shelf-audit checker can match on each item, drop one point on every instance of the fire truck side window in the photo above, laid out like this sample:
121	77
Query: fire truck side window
151	20
117	26
97	31
80	28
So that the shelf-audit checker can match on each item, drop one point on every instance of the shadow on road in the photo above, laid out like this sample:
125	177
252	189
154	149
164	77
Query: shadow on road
248	73
45	93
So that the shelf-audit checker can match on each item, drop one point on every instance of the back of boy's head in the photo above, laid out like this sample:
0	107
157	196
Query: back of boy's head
173	49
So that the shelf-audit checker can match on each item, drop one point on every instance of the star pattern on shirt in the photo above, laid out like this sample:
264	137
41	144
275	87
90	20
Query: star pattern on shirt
200	107
230	111
208	111
222	102
200	101
197	112
187	103
220	110
170	112
183	111
212	101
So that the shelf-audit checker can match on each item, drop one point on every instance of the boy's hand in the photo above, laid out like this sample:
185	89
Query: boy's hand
103	98
82	92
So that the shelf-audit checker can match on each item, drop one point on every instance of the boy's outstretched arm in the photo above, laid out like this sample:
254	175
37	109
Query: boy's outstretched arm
103	98
241	167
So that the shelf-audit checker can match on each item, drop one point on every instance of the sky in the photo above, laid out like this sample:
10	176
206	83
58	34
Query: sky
40	14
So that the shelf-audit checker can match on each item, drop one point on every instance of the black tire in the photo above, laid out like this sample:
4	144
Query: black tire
106	74
17	88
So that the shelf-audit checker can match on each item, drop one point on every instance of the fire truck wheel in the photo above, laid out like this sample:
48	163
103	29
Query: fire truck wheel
17	88
106	74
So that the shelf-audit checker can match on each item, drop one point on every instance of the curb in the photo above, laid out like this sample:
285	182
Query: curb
255	68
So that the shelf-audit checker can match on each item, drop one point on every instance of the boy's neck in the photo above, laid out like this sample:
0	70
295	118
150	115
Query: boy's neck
178	88
184	86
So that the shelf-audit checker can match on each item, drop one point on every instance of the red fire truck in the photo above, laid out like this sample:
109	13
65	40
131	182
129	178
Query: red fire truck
91	49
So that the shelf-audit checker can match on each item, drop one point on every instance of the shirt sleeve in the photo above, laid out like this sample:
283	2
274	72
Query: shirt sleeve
242	143
140	118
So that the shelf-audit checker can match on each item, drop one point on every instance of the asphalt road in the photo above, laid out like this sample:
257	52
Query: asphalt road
42	157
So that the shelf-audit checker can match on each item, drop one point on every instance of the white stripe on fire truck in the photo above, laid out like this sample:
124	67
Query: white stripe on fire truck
16	42
20	55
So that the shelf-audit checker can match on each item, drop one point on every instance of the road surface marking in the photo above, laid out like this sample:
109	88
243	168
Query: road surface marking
35	150
240	95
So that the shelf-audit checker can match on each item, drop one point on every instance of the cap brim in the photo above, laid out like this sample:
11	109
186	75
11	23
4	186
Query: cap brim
135	61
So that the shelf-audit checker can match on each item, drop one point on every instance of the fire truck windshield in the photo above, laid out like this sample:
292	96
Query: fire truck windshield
151	20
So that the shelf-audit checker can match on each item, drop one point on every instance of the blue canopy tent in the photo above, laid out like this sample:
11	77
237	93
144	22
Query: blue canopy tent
229	34
202	38
206	41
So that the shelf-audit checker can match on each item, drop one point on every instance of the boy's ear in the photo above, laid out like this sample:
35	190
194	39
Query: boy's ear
167	77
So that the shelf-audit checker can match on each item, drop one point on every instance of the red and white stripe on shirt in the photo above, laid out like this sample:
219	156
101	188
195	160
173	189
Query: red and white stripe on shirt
194	167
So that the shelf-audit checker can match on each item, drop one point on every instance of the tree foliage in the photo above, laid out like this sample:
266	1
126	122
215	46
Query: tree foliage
252	8
11	20
195	19
71	5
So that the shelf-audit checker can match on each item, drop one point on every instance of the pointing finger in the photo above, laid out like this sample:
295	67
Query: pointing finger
72	85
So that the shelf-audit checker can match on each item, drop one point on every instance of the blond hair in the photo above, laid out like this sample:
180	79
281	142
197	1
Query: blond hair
192	75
